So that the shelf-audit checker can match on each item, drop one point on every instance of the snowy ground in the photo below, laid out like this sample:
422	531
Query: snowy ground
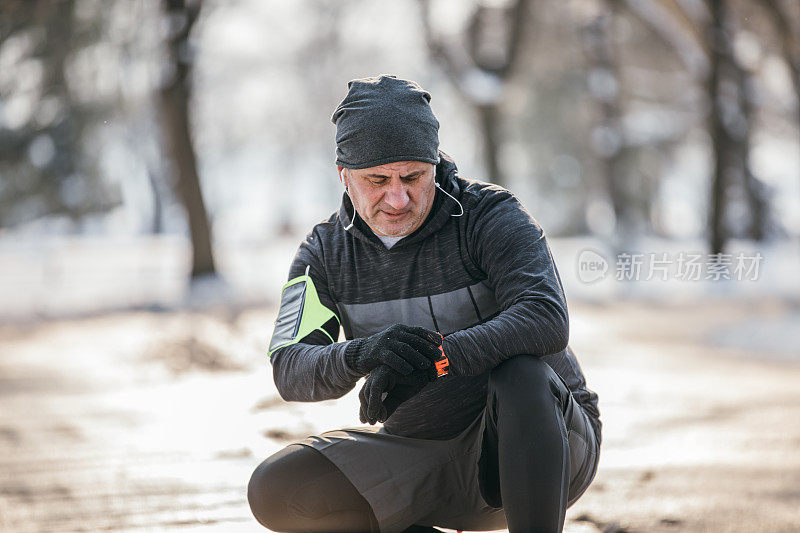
154	420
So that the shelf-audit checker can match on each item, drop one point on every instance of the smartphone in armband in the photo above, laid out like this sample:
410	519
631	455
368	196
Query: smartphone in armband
299	314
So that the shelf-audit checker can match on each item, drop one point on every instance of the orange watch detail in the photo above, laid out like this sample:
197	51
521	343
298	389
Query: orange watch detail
443	363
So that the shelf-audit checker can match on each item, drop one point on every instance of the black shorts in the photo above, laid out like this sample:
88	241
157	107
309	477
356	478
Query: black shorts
435	482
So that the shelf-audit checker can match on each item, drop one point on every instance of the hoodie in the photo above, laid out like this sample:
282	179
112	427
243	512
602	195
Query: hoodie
486	280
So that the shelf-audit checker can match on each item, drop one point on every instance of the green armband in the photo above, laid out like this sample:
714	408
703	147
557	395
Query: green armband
300	313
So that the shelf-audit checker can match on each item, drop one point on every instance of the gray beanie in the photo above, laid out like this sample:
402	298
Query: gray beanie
383	120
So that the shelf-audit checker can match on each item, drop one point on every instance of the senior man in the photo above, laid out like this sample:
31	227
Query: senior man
507	434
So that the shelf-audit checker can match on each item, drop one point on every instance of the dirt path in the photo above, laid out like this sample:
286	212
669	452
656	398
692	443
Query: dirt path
154	421
697	437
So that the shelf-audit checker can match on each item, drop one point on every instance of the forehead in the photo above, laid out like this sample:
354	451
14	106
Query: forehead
399	167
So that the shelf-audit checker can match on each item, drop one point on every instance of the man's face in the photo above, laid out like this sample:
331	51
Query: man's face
393	199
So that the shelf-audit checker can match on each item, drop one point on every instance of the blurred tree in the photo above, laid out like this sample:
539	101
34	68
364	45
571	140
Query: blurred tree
785	20
720	54
730	126
44	168
175	96
493	36
157	220
320	53
702	36
607	135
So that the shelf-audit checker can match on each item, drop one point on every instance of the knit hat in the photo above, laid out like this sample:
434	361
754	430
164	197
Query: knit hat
383	120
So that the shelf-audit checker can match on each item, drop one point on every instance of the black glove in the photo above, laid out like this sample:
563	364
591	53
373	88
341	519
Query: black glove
374	408
402	348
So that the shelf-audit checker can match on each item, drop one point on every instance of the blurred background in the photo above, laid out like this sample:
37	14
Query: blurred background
161	160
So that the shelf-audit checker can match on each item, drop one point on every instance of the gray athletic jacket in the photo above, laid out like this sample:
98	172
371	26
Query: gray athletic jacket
486	280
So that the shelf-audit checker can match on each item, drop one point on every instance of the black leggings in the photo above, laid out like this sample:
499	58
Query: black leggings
299	489
524	466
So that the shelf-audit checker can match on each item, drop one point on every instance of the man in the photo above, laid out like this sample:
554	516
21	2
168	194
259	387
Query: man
508	435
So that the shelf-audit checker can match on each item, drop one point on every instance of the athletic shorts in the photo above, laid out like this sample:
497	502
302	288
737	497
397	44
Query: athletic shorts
427	482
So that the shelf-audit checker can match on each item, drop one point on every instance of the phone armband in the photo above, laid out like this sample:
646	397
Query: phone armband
299	314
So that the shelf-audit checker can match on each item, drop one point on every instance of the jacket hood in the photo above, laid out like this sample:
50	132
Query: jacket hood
443	206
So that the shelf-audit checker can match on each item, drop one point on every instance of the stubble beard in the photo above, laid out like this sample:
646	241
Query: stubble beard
406	230
400	232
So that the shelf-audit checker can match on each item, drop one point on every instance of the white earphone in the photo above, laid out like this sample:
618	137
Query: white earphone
453	197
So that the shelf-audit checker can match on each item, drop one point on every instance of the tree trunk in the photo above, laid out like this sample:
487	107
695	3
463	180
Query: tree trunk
599	50
489	120
719	48
755	191
790	47
485	24
157	220
175	93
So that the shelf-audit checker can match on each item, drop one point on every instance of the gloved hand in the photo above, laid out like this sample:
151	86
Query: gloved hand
402	348
374	408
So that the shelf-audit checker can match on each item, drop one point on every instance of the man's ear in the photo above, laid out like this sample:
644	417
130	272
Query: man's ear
341	174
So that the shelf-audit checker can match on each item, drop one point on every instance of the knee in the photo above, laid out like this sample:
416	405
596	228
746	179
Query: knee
266	496
259	496
528	375
520	370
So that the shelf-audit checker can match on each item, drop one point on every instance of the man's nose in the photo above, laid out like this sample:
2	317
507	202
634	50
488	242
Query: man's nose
396	195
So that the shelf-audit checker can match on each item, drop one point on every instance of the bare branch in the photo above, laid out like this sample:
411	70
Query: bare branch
676	28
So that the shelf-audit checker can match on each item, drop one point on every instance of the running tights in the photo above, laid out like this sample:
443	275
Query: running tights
524	466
